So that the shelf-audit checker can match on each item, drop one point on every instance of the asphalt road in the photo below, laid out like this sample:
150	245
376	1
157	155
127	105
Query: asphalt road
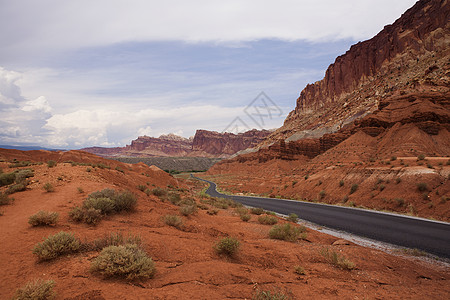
430	236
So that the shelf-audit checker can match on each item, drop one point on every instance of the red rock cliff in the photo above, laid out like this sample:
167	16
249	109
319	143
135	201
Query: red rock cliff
403	56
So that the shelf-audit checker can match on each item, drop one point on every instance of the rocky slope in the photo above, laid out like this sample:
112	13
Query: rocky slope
411	56
204	144
187	266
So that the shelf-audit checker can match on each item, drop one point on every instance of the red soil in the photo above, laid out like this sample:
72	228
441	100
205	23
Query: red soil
187	266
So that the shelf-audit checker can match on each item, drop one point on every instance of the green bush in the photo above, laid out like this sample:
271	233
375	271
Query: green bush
292	218
125	201
212	211
22	175
422	186
173	220
51	163
7	178
187	210
421	157
57	245
286	232
92	216
159	192
141	187
267	220
256	210
43	218
127	261
337	259
399	201
245	217
105	205
228	246
48	187
299	270
353	188
18	187
341	183
113	239
270	295
4	199
241	210
36	290
76	214
174	198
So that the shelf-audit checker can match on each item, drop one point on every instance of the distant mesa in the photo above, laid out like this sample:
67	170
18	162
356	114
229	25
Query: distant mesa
204	144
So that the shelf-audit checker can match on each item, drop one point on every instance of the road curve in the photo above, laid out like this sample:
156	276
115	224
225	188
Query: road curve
430	236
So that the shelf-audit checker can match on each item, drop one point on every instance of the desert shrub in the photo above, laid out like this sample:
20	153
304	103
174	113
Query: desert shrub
119	169
341	183
43	218
80	190
382	187
399	201
141	187
125	201
393	158
306	177
270	295
421	157
353	188
292	218
256	210
105	205
174	198
228	246
267	220
76	214
18	187
398	180
422	186
22	175
127	261
212	211
57	245
159	192
36	290
92	216
7	178
245	217
173	220
299	270
241	210
337	259
113	239
4	199
48	187
51	163
322	194
187	210
286	232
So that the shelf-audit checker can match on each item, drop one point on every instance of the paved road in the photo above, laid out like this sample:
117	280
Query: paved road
430	236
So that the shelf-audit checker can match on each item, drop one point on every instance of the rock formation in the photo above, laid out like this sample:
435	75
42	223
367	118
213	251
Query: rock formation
411	56
204	144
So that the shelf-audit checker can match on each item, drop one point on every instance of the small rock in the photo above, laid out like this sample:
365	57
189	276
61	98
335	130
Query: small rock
340	242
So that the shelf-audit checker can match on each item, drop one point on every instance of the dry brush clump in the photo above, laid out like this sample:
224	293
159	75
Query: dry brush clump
267	220
36	290
173	220
287	232
57	245
337	259
43	218
126	261
227	246
101	203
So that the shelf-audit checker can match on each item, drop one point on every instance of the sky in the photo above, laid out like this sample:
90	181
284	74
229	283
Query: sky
81	73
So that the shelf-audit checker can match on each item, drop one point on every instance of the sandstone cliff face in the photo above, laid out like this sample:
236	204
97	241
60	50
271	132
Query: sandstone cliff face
221	144
410	56
203	144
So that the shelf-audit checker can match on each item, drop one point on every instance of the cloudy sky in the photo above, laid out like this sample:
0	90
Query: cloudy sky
84	73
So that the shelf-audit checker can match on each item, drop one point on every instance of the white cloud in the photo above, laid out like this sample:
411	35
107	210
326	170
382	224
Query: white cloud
39	104
50	25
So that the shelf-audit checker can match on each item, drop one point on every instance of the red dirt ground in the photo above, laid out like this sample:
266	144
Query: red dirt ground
187	266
